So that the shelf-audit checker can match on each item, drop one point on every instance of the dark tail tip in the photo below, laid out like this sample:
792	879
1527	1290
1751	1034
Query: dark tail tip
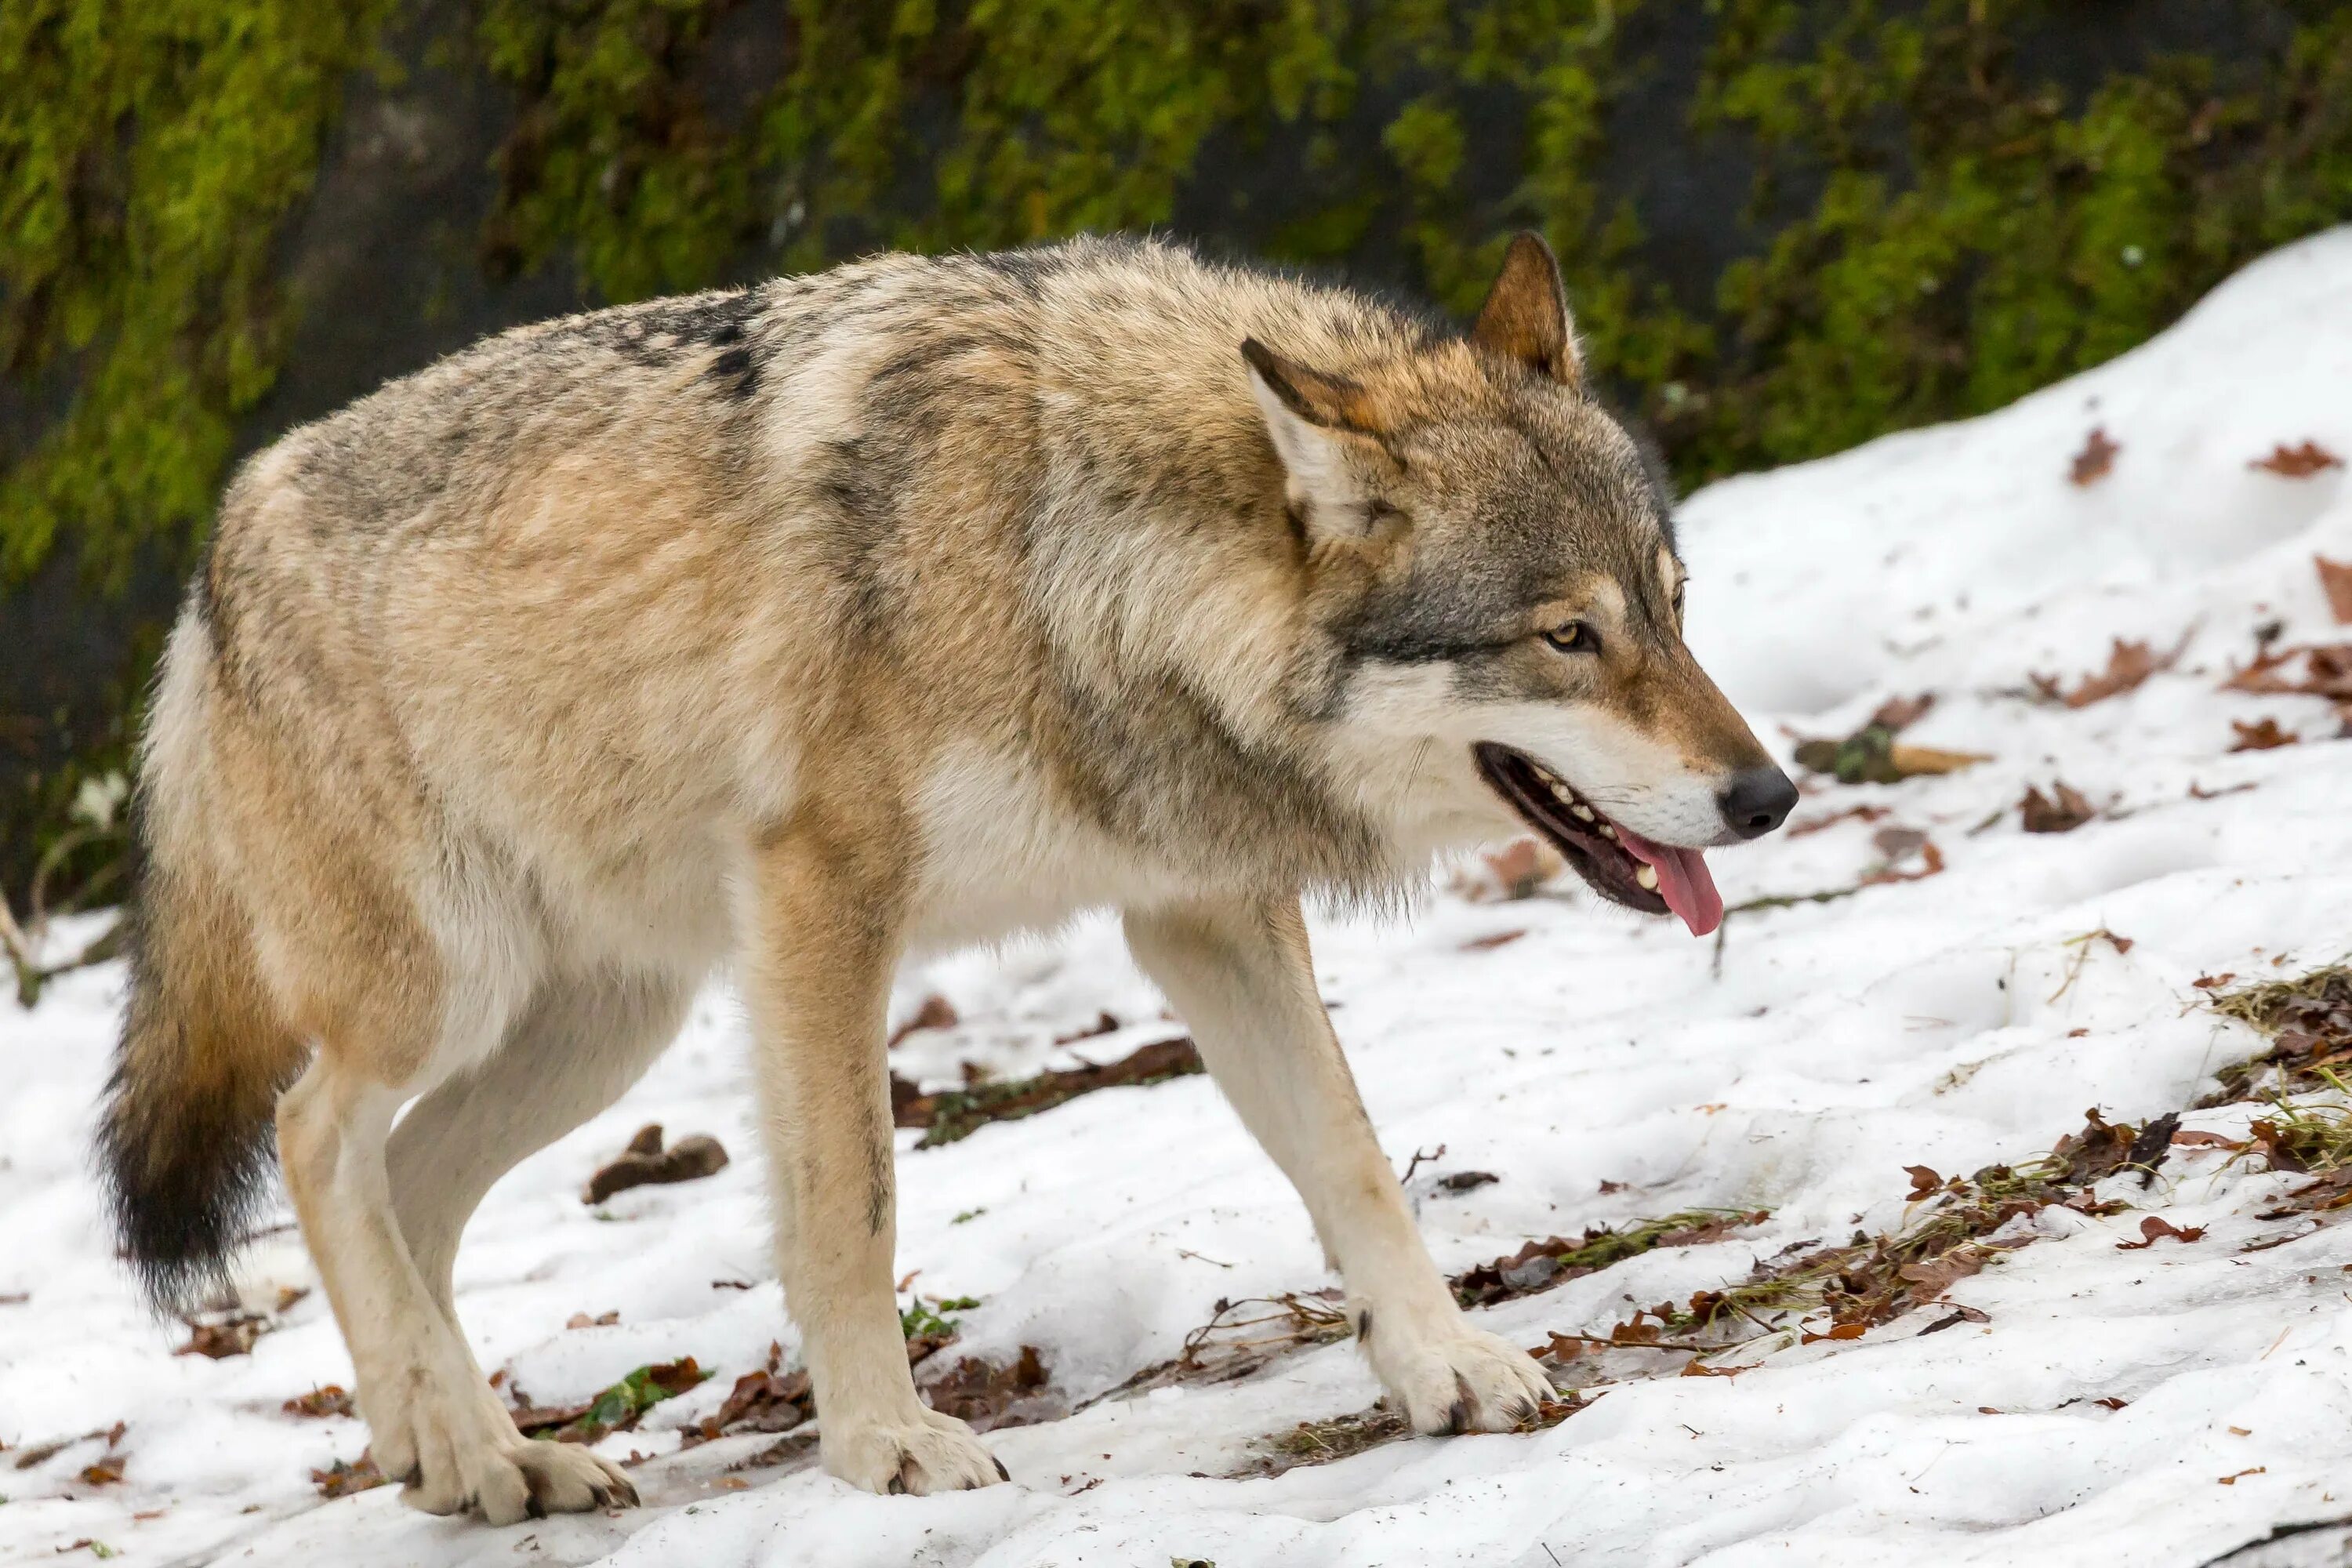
186	1140
186	1175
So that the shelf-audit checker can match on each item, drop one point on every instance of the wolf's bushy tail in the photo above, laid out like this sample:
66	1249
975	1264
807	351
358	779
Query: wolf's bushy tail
187	1139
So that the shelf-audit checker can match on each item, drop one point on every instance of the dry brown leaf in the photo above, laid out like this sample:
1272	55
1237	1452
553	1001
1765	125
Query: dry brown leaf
2262	735
1953	1320
226	1335
1924	1180
330	1400
2327	672
1851	814
769	1400
341	1480
2336	582
1839	1331
646	1161
2297	462
1492	940
989	1396
2155	1228
1936	1275
1931	863
2063	811
1901	713
2128	664
2096	457
936	1013
1920	761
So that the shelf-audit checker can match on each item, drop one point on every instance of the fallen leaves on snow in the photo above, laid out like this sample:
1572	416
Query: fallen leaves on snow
936	1013
952	1114
2155	1228
2129	664
2064	809
616	1408
2297	462
333	1399
2336	582
1555	1260
341	1480
2262	735
646	1161
2096	460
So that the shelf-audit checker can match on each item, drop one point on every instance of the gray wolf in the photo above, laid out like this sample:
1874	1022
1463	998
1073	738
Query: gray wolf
849	617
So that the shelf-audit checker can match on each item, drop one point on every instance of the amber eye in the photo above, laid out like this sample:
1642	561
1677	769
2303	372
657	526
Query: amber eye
1574	637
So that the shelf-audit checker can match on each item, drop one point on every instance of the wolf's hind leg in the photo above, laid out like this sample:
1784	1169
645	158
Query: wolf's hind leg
433	1422
575	1049
816	974
1241	975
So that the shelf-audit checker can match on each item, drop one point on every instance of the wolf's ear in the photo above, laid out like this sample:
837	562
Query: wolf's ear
1315	420
1526	313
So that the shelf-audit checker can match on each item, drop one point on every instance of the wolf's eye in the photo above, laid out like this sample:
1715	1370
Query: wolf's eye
1574	637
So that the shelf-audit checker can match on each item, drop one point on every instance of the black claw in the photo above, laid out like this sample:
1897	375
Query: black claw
1001	1473
534	1509
899	1483
1364	1325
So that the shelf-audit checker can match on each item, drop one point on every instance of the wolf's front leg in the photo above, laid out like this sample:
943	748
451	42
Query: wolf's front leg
1241	974
824	934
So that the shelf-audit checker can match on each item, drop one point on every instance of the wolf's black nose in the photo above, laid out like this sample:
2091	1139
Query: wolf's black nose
1758	801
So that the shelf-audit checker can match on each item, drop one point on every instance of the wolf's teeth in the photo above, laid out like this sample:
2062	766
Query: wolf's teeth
1648	877
1583	812
1607	831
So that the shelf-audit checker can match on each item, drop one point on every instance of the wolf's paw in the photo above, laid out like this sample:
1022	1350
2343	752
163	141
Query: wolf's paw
936	1454
460	1454
518	1479
1458	1379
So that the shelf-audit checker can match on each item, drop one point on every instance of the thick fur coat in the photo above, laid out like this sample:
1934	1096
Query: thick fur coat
841	618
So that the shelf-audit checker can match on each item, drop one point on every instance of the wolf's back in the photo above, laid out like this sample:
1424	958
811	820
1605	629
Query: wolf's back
185	1138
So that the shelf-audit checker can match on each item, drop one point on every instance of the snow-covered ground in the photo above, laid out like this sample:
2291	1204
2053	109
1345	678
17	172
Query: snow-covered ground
1949	1021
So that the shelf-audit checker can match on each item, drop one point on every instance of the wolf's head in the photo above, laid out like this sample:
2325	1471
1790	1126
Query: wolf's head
1494	566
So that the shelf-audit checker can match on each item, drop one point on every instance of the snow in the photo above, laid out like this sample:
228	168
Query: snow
1949	1021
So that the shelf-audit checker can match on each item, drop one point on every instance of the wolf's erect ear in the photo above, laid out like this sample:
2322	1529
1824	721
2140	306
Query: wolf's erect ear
1314	419
1526	313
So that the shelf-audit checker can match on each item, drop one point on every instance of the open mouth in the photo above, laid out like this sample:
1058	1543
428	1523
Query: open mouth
1621	865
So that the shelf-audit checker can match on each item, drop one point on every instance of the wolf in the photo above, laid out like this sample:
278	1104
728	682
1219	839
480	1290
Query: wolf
804	627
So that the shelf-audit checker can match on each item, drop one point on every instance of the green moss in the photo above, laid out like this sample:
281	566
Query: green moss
2010	243
147	155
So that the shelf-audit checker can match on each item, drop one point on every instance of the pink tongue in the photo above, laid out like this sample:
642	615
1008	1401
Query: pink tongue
1683	880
